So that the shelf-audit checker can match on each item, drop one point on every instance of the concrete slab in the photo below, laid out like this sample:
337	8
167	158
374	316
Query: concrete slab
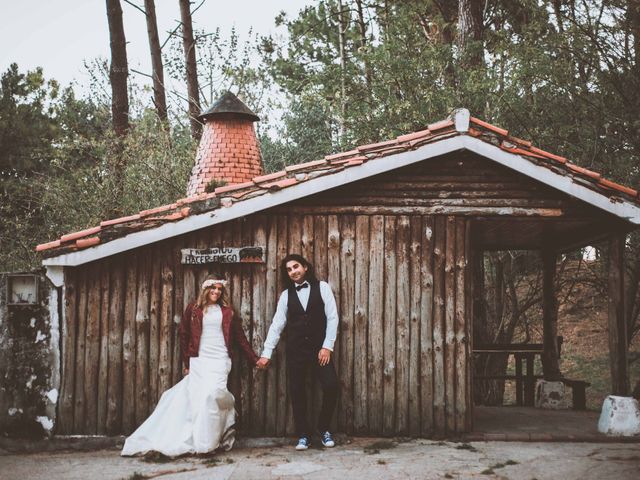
362	458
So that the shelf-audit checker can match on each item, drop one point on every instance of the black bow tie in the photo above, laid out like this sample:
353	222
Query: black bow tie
300	287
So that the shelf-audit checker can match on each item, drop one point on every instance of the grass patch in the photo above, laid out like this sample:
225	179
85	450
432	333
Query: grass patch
156	457
448	475
466	446
382	462
212	462
492	468
375	447
137	476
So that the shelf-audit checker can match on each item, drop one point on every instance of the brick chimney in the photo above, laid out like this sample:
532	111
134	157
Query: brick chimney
228	148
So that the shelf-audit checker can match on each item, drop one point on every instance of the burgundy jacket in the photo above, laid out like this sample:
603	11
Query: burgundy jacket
190	331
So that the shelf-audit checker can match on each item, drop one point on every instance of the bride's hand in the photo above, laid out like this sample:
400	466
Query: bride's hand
185	372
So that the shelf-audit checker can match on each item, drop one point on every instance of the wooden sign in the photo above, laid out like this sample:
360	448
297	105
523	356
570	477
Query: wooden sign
197	256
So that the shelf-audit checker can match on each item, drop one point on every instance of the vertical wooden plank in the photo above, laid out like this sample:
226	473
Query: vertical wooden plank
438	327
469	294
258	402
69	333
414	325
178	307
461	339
619	362
361	320
347	309
92	351
166	319
320	264
142	337
449	352
233	237
116	314
271	297
79	406
389	353
426	329
246	384
129	347
375	358
307	249
103	370
403	327
333	278
450	285
295	246
279	359
154	328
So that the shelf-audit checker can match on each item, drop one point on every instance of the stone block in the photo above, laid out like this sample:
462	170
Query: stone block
550	395
620	416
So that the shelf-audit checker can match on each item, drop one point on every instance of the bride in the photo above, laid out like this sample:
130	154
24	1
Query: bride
197	414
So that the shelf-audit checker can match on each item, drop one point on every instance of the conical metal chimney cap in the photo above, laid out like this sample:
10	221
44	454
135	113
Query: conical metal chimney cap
229	105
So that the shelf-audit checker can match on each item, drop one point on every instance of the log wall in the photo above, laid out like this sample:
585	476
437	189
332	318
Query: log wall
402	352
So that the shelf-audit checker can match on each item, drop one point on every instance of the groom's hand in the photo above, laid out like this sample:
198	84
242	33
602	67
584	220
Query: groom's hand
324	355
262	363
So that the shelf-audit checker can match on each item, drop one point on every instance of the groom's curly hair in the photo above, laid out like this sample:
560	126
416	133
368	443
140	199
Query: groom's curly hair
311	273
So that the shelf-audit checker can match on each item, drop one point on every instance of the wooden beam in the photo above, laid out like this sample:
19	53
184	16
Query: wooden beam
617	324
550	365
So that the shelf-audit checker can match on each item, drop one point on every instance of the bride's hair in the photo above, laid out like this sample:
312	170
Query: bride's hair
222	300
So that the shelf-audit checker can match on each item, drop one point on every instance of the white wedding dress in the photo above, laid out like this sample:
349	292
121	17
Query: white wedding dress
197	414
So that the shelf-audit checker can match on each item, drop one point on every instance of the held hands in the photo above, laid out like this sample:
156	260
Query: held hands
263	363
324	355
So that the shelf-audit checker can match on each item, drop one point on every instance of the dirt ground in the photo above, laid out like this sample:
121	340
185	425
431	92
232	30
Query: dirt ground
362	458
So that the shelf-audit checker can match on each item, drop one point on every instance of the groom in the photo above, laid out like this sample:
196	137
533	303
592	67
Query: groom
308	310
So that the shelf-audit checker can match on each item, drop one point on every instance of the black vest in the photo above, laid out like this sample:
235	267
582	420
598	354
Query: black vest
305	329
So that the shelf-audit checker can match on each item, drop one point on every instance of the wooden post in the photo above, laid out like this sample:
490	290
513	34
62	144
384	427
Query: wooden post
69	330
389	377
375	364
414	326
426	328
438	325
347	309
617	324
361	320
550	366
129	348
403	301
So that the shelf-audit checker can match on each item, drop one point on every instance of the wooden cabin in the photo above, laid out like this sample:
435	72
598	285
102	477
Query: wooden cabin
393	227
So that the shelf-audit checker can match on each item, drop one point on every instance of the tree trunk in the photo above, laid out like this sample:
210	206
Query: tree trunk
470	31
119	70
189	46
362	28
159	95
342	30
550	364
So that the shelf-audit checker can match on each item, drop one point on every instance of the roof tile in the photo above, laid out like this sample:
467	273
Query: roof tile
552	156
583	171
442	124
304	166
339	156
376	146
82	233
488	126
281	184
232	187
414	136
87	242
162	208
116	221
47	246
616	186
271	176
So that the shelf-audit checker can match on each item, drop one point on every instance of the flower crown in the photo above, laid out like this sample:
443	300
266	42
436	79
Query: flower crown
212	282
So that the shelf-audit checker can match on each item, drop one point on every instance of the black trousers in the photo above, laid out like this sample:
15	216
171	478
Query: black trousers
299	366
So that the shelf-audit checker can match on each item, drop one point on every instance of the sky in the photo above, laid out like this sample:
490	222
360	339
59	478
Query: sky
59	35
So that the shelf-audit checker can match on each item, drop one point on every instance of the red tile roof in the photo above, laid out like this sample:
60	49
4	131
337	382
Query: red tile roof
295	174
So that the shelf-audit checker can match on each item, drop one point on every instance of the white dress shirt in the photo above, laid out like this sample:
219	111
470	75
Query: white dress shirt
280	317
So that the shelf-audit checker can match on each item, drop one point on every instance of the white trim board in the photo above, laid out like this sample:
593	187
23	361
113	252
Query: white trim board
268	200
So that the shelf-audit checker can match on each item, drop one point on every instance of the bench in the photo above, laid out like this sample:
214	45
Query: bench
524	377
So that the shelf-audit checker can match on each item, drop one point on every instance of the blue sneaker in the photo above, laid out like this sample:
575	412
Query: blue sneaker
303	443
327	440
